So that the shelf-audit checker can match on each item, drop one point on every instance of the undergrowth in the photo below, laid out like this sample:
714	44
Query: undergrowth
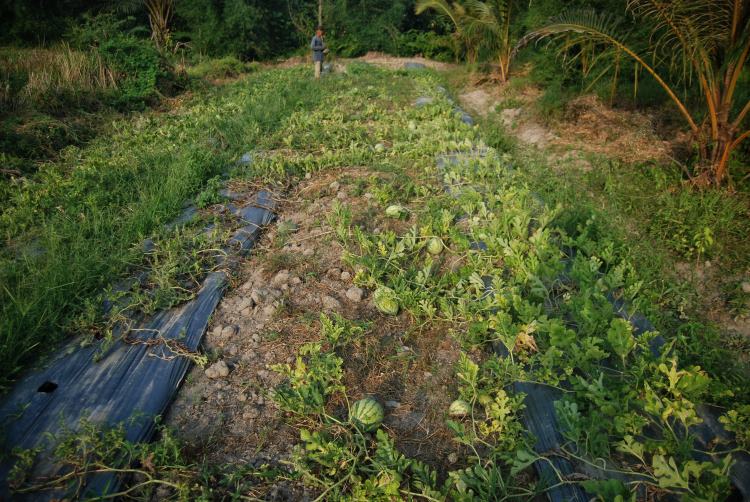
525	280
74	227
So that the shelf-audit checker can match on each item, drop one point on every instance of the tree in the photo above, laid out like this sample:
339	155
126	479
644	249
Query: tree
705	42
160	14
479	25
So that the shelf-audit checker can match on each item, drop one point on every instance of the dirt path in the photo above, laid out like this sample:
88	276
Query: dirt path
589	126
225	410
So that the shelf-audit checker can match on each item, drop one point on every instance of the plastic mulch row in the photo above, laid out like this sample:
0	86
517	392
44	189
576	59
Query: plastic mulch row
130	383
539	414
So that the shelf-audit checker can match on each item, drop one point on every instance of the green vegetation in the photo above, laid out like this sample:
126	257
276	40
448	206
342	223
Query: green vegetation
480	26
78	224
691	40
538	288
125	117
226	67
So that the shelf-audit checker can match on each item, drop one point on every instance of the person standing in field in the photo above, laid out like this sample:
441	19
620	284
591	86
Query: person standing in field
318	47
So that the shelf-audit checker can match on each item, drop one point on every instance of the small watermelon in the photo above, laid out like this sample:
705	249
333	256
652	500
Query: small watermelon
366	414
385	300
435	246
395	211
459	408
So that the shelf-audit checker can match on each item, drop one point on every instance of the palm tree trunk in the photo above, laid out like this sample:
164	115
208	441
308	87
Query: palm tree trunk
504	64
159	17
723	153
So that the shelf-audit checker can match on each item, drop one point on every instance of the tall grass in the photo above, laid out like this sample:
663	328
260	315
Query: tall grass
29	77
77	225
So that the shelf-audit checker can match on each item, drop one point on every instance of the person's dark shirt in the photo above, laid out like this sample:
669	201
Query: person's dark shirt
318	46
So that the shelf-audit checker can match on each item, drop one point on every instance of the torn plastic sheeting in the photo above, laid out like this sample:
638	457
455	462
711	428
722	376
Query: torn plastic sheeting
539	412
706	434
455	158
639	322
452	159
246	159
256	215
131	380
230	194
130	384
541	420
259	211
465	117
188	214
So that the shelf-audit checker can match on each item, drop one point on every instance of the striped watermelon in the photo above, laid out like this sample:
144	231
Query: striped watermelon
367	414
459	408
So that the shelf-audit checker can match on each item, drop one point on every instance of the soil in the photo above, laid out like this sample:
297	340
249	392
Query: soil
374	58
226	412
588	126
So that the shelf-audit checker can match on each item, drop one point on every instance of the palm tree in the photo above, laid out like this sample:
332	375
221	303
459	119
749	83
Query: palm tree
479	25
160	14
705	42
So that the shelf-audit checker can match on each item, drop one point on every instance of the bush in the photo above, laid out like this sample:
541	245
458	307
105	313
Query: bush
225	67
427	43
138	69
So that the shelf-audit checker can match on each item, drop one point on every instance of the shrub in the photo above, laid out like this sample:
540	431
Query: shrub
225	67
140	71
427	43
138	68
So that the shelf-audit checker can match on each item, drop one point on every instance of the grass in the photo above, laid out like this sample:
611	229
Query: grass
76	225
555	246
225	67
30	77
662	223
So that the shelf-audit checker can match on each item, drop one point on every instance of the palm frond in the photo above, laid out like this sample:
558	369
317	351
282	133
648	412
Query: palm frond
581	26
440	6
687	34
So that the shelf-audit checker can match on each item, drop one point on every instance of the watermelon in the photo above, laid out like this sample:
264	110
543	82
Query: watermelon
385	300
367	414
459	408
435	246
395	211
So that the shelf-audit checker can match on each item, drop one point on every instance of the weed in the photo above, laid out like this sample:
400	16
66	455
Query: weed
142	470
225	67
73	228
210	194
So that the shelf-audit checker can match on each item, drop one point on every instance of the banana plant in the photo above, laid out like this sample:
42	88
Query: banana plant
693	42
479	25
